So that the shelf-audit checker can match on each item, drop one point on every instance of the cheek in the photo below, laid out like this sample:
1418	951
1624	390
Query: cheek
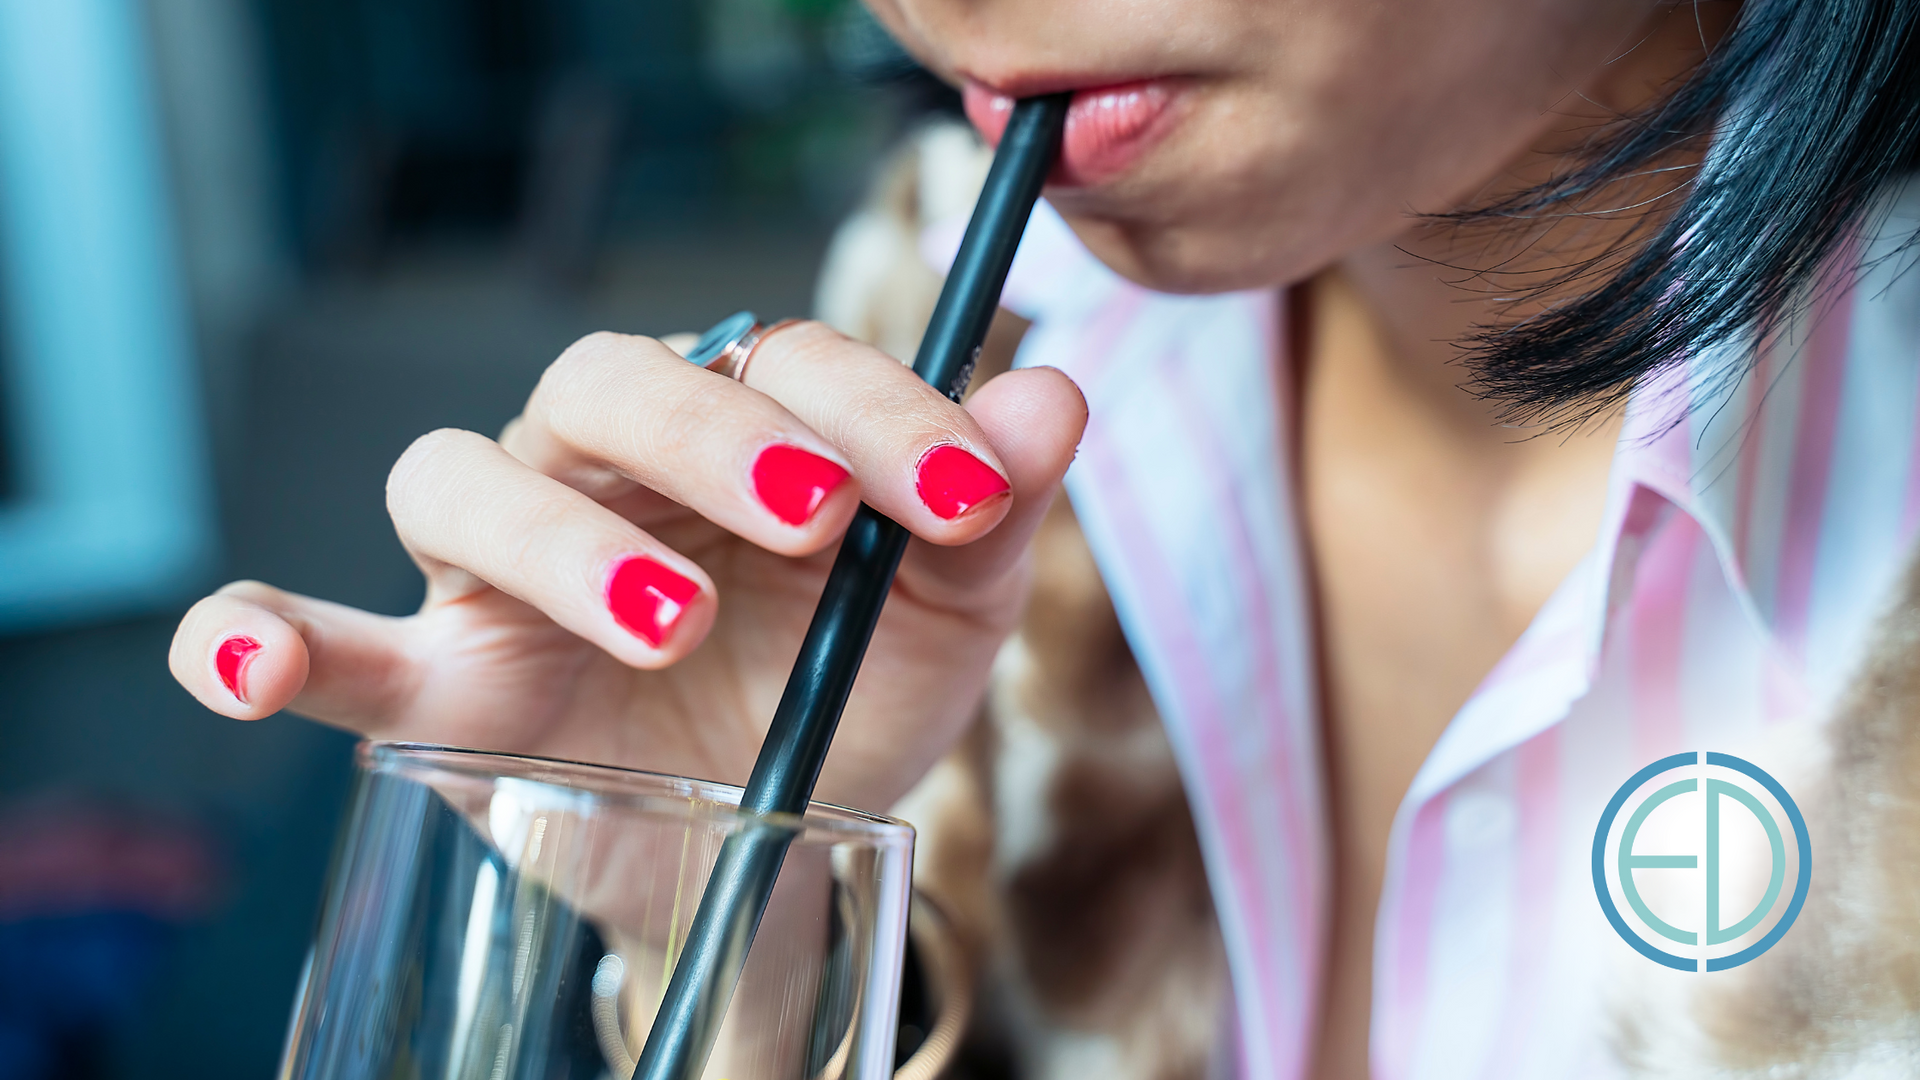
1268	184
1203	256
1252	196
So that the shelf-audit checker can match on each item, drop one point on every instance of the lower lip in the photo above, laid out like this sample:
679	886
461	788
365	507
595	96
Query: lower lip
1108	128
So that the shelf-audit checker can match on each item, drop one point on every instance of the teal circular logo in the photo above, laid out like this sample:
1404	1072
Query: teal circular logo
1730	794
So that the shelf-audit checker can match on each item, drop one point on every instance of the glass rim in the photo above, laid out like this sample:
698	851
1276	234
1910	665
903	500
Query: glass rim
615	785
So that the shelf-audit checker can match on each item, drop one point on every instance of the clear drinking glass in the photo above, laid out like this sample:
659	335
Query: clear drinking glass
492	917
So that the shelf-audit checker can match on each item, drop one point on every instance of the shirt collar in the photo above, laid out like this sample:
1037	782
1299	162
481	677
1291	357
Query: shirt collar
1746	448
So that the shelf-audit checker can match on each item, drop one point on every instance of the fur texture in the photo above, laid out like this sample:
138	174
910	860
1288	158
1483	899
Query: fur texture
1839	996
1058	841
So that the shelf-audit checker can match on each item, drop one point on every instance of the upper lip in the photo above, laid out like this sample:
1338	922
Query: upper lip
1036	84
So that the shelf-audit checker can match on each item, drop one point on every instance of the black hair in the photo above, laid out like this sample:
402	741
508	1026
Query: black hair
1810	109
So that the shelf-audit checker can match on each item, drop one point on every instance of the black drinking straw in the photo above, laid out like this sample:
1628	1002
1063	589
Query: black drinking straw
783	777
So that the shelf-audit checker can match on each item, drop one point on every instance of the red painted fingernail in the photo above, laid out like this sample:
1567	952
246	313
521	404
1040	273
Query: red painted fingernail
647	598
793	483
231	662
953	481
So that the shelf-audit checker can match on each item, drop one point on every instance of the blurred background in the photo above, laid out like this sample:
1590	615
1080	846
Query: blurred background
249	249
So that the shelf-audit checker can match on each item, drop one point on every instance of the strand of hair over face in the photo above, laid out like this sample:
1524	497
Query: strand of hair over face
1812	108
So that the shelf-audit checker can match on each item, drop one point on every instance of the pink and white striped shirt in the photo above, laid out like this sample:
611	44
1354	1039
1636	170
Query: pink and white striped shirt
1744	554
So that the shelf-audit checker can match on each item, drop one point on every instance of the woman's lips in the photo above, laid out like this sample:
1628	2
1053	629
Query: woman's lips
1108	127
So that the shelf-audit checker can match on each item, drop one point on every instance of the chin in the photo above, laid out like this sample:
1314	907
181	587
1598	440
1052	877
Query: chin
1204	254
1193	260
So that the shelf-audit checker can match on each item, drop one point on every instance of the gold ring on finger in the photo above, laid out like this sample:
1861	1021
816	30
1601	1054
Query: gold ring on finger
728	345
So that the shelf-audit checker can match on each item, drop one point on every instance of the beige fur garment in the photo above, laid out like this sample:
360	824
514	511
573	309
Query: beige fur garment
1058	843
1839	996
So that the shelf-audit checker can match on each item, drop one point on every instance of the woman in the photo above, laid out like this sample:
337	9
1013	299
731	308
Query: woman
1410	621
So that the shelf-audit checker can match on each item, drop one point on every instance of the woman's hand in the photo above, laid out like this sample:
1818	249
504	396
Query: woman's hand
626	575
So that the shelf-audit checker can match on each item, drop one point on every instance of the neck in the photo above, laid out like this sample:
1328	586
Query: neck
1398	314
1383	413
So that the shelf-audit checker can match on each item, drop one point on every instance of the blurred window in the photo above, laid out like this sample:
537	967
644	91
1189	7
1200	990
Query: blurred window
107	506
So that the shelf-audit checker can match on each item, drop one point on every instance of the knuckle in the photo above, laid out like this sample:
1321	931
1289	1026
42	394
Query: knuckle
428	457
590	397
564	377
687	419
803	348
857	385
817	346
594	348
249	590
812	333
580	372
